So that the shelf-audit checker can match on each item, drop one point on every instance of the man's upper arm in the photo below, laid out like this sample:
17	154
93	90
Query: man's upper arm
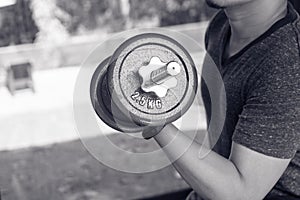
258	172
267	135
270	120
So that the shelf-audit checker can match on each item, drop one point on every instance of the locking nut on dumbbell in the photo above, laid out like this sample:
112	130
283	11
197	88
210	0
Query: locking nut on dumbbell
159	77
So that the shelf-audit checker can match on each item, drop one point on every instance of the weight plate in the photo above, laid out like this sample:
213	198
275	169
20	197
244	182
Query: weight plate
125	83
101	102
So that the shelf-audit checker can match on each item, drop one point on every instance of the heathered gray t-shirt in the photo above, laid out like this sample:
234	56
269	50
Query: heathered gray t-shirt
262	84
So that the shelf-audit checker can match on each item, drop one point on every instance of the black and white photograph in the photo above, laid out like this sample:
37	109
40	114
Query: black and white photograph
149	100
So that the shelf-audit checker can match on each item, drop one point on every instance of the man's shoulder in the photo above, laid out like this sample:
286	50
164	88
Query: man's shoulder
284	44
287	36
284	38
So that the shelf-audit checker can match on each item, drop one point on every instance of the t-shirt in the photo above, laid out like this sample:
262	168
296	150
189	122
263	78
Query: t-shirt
262	84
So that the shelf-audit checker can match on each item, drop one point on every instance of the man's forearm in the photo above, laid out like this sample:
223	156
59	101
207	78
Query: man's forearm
213	177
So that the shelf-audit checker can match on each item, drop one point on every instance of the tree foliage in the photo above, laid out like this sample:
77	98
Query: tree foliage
94	14
87	14
17	24
171	12
80	16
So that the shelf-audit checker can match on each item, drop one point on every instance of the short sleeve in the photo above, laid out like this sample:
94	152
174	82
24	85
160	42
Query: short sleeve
270	119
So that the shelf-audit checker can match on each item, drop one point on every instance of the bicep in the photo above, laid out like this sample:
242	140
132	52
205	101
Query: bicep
258	172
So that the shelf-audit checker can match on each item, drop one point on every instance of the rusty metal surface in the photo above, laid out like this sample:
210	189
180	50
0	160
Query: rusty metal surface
124	82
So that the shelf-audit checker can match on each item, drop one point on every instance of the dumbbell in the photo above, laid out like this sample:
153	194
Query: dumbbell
103	104
150	80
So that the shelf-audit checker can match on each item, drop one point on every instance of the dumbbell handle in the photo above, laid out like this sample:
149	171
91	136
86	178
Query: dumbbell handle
164	73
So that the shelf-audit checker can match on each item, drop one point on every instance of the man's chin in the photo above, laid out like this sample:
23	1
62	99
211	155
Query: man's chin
213	4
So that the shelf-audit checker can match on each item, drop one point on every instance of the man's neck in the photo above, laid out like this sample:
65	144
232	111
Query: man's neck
255	17
250	20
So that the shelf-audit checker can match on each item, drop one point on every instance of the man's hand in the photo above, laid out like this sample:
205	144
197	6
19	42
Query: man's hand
151	131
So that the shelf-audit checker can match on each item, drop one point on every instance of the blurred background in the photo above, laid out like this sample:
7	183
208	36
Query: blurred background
42	44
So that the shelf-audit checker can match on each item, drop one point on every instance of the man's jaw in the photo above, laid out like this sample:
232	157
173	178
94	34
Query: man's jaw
222	4
213	4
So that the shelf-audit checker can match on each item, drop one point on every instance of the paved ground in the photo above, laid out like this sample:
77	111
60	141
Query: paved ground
66	171
46	117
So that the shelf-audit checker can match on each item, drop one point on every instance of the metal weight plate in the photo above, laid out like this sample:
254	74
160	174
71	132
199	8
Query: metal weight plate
101	101
125	82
